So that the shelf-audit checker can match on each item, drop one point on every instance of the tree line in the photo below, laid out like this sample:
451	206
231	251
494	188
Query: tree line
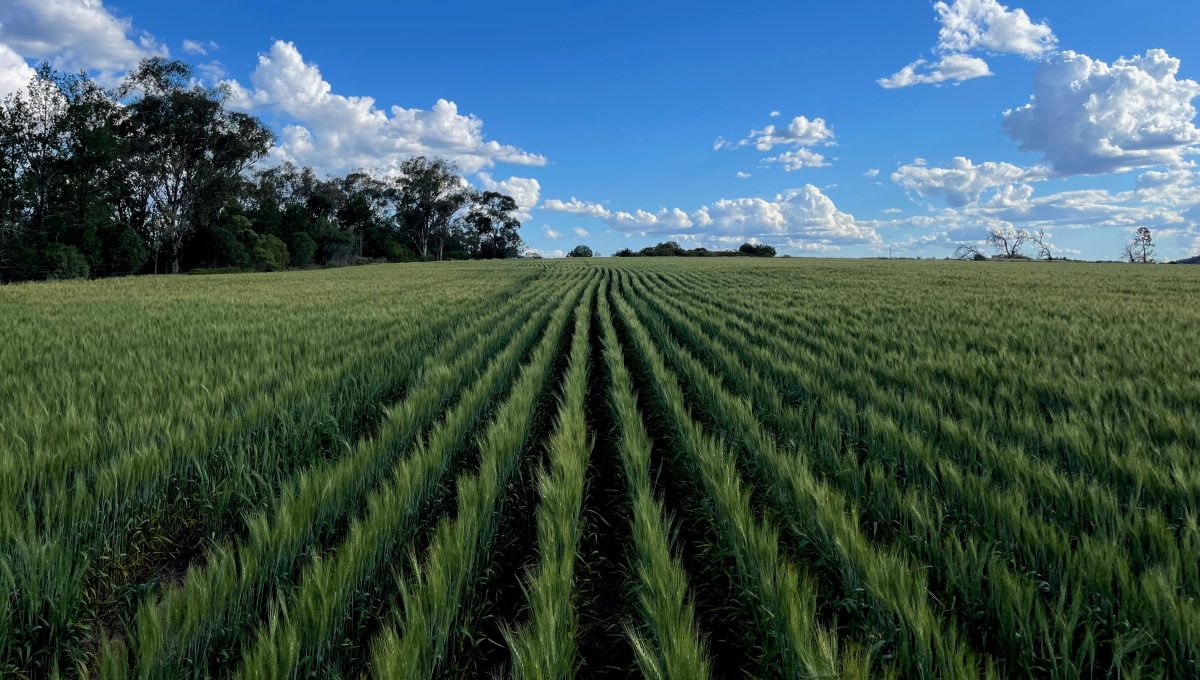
160	175
673	249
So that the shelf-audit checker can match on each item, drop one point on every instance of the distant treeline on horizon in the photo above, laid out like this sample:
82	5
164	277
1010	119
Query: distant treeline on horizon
673	249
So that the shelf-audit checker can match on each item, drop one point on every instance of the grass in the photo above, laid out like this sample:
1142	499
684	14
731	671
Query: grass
919	469
544	647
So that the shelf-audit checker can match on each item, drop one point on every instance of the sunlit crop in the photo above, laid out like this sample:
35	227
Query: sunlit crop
823	469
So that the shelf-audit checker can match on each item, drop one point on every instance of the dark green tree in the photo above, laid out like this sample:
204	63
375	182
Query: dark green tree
493	219
428	193
580	251
757	250
664	249
187	152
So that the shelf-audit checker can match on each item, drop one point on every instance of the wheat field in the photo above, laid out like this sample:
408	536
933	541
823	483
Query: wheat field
669	468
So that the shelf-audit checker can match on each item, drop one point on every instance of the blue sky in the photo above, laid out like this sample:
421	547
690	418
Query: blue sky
604	119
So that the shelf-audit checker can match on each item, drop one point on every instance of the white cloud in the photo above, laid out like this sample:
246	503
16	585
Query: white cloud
200	47
580	232
15	73
552	234
974	26
791	219
801	219
800	132
556	253
872	172
1178	187
800	214
1077	209
797	159
986	24
664	220
961	183
576	207
334	132
991	193
952	67
742	174
774	114
1088	117
524	190
1165	201
75	35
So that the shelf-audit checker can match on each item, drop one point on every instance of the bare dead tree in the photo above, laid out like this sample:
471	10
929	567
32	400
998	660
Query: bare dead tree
1129	252
1008	242
1042	241
966	251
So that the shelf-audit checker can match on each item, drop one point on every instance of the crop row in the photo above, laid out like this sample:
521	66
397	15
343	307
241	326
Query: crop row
807	479
1090	611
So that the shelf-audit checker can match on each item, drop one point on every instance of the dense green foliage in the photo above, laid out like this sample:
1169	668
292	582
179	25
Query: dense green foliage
599	468
161	175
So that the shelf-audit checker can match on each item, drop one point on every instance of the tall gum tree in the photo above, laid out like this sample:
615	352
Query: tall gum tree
188	151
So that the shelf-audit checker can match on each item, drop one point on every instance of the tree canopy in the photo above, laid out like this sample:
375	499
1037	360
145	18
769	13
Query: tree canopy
161	175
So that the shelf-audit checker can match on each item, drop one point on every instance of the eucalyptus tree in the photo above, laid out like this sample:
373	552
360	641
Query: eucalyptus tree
188	151
493	218
428	193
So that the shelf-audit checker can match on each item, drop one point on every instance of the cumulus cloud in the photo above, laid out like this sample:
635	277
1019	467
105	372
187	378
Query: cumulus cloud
871	172
796	220
1004	191
1164	201
981	196
774	114
953	68
742	174
15	73
576	207
986	24
335	132
797	159
662	221
800	132
974	26
962	182
799	214
200	47
1075	209
75	35
580	232
524	190
556	253
552	234
1089	117
1179	187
